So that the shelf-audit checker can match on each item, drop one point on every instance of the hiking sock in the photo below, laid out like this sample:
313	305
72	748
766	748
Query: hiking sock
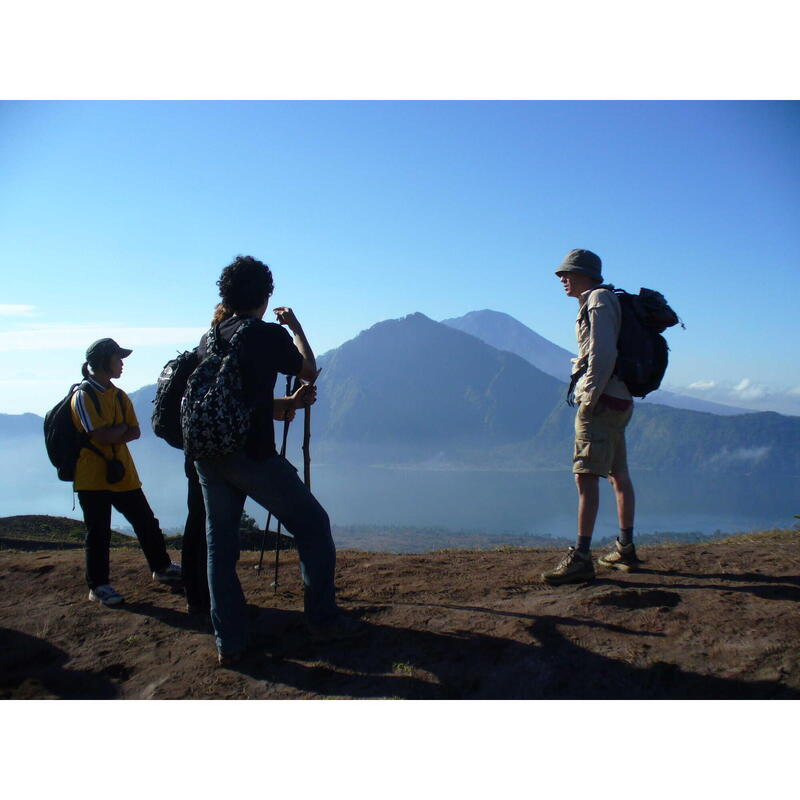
584	545
625	536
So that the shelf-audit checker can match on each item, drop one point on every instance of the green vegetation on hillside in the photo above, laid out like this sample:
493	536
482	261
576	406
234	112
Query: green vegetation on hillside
43	532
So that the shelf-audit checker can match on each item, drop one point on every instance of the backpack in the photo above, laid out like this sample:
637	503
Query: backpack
215	417
62	439
170	386
642	352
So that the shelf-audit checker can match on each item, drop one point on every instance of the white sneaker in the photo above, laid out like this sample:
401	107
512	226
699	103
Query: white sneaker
107	595
172	574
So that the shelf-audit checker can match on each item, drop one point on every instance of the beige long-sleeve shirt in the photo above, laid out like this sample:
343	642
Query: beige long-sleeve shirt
597	330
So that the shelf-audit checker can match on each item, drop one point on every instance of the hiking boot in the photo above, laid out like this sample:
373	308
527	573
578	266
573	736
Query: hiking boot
575	567
106	595
622	557
172	574
342	627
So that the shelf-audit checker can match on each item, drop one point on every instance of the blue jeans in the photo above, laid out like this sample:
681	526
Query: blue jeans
274	484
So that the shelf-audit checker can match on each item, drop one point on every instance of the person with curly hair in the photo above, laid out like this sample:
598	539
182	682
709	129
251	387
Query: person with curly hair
257	471
194	554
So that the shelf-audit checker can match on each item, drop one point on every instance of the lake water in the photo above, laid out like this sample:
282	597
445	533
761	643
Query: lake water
544	502
535	502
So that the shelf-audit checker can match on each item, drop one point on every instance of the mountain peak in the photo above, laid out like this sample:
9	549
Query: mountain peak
504	332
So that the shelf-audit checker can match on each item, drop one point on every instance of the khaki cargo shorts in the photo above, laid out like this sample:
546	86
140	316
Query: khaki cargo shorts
600	441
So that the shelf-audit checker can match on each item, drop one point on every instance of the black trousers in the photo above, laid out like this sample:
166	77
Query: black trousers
134	507
194	557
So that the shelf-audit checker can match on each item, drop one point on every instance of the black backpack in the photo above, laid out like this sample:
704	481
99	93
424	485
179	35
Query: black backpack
170	386
642	352
61	438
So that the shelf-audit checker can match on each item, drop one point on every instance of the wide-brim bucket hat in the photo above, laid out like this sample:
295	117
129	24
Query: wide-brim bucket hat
584	262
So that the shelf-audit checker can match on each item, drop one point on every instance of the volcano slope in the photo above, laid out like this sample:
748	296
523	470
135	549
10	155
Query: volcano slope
710	620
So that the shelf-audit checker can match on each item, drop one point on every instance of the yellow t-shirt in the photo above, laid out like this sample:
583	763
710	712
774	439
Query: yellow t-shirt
90	471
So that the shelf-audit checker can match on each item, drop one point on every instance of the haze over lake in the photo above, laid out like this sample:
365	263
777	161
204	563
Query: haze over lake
540	502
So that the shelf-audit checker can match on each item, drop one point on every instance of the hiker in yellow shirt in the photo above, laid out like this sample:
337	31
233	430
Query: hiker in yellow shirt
105	475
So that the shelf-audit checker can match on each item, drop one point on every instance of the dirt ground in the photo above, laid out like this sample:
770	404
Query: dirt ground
716	620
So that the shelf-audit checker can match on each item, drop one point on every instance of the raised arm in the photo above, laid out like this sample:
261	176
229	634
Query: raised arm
285	316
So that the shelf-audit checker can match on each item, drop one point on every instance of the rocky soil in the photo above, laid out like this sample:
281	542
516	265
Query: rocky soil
710	620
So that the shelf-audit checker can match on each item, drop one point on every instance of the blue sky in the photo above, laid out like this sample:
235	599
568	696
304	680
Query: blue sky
117	217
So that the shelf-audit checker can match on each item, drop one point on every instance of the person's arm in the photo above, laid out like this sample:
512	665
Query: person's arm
88	417
604	321
285	316
129	418
133	432
285	407
112	434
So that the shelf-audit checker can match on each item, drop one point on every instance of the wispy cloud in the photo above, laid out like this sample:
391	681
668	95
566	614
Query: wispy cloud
69	337
747	390
745	393
16	310
702	386
741	455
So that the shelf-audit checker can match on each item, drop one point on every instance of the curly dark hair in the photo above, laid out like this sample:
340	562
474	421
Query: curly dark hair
245	284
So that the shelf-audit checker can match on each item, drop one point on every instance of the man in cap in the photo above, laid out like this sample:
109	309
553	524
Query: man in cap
605	407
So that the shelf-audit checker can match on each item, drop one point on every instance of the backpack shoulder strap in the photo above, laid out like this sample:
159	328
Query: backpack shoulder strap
89	389
213	340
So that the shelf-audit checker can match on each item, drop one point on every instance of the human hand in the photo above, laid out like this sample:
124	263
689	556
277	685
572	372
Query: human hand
305	396
285	316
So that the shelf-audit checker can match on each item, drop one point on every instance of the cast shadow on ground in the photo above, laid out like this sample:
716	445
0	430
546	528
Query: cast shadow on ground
771	589
177	619
391	662
741	577
31	667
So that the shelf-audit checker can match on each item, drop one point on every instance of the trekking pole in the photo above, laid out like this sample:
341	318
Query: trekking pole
307	439
259	566
289	392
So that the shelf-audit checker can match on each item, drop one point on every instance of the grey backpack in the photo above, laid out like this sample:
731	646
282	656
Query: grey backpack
215	417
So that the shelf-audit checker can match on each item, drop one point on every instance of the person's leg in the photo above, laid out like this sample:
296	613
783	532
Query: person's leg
134	507
194	558
588	503
224	504
275	484
623	555
619	477
626	499
590	462
96	508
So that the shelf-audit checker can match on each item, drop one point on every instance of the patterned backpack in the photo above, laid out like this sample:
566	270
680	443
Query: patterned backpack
215	418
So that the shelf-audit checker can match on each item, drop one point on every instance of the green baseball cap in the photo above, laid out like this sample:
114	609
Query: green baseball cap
102	349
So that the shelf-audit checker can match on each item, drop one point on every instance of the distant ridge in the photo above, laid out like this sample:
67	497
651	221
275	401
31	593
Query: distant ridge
502	331
13	425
